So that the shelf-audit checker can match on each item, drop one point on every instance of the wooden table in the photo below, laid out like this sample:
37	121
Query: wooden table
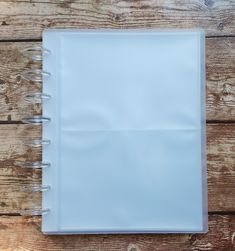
21	25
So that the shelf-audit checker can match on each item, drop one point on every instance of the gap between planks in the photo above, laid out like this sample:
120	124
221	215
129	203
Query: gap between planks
40	40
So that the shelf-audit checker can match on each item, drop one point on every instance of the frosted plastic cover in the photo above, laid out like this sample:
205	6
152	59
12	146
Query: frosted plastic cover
127	131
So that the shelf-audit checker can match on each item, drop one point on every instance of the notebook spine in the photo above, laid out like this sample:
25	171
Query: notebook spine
35	54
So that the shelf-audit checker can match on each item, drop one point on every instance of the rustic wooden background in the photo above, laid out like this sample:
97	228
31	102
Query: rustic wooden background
21	25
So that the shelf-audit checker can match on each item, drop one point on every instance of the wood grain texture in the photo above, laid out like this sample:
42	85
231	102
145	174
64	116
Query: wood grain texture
220	80
18	233
12	85
220	75
12	177
221	167
25	19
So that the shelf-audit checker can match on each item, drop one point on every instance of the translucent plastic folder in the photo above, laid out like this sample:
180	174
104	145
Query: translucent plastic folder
126	124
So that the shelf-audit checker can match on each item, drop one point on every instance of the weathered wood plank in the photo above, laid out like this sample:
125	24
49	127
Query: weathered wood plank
221	167
12	177
220	80
18	233
25	19
12	85
220	75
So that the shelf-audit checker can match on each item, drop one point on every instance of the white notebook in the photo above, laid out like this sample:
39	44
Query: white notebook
127	131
